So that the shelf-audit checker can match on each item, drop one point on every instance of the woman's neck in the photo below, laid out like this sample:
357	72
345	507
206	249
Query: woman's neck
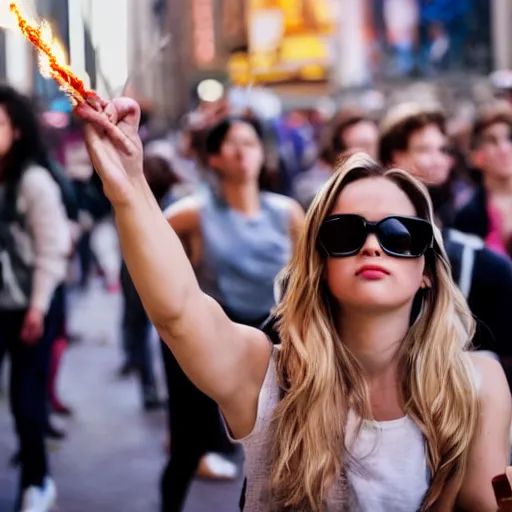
498	186
242	197
374	339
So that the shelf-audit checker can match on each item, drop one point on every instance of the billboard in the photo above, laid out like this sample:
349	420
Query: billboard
288	40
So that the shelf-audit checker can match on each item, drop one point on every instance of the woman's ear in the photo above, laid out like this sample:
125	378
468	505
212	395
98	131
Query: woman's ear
426	282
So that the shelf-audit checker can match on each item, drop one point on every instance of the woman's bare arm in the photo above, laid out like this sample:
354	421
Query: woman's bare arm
225	360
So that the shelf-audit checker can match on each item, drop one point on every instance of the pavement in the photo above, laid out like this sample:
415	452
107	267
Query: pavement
114	453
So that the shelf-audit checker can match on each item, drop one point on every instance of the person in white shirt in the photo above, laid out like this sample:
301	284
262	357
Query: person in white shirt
35	241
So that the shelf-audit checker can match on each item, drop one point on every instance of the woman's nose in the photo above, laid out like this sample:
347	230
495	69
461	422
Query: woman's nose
371	246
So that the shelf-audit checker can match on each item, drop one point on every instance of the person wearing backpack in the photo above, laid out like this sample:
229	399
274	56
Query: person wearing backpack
413	137
35	243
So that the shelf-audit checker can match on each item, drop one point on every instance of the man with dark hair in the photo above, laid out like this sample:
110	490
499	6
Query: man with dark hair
352	129
489	213
413	138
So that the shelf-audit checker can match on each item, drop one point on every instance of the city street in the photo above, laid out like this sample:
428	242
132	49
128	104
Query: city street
114	452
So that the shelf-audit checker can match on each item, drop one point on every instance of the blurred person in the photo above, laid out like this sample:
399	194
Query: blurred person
295	145
60	343
413	137
77	164
401	20
308	183
442	34
105	245
374	338
181	151
96	245
35	243
352	129
489	212
136	327
238	239
463	171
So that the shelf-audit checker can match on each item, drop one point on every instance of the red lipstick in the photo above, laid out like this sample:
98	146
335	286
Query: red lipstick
372	272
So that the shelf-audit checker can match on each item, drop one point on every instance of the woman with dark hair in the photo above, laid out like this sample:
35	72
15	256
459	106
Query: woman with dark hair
34	246
238	238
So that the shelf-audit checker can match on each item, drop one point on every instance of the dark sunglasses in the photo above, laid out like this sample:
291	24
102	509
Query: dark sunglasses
402	237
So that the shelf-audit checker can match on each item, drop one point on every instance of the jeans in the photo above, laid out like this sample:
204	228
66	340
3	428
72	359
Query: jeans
196	428
28	391
136	336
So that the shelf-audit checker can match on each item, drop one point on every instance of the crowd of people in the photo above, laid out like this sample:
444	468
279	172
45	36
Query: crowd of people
373	252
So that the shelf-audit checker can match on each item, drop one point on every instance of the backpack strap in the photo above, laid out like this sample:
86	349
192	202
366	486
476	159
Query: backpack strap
470	244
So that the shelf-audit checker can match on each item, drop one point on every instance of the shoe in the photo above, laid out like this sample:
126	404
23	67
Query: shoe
214	466
54	433
39	499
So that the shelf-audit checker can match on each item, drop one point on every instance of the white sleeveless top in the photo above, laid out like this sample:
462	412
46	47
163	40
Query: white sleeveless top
391	474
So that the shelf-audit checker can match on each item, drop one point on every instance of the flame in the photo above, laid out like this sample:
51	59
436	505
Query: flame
52	57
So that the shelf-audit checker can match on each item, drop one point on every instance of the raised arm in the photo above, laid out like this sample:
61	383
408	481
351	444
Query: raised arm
226	361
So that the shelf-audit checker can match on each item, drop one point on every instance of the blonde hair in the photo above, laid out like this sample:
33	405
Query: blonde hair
321	379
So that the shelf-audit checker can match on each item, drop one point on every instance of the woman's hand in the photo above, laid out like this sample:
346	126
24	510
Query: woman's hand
33	326
114	146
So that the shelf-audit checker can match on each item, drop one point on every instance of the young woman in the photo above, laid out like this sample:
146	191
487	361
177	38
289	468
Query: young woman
35	242
238	239
372	402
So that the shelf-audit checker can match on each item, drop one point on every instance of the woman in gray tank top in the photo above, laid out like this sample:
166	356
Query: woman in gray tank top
238	238
372	402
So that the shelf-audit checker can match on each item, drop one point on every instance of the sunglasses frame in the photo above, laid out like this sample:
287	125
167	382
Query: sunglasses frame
372	227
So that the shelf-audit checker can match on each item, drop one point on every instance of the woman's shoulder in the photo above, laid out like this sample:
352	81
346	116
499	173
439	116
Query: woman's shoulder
185	214
281	201
36	180
293	211
36	174
489	376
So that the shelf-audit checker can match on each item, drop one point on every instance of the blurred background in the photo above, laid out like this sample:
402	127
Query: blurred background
304	52
299	67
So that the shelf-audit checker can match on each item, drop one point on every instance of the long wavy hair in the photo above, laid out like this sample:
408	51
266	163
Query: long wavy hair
321	379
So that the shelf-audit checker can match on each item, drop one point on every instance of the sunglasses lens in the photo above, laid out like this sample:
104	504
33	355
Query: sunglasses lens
406	237
343	235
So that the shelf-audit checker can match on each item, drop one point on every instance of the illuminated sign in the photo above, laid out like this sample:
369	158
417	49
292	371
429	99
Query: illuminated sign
288	40
203	32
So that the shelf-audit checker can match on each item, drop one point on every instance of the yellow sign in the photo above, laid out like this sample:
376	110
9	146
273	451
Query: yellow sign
288	40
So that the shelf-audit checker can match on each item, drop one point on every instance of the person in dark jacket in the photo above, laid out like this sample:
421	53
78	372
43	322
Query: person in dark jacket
488	214
413	138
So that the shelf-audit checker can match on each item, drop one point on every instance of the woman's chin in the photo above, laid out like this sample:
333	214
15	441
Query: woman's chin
374	303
